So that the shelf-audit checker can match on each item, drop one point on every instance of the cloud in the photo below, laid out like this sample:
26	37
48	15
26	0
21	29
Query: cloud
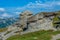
17	13
39	5
2	9
35	7
6	15
58	3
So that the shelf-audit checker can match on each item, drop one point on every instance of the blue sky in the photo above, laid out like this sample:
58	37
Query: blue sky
15	7
14	3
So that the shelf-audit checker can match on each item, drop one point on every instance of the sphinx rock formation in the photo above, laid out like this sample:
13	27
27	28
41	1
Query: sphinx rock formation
21	24
24	19
28	21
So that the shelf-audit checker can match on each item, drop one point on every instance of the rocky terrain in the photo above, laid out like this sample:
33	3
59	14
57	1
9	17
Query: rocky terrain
27	22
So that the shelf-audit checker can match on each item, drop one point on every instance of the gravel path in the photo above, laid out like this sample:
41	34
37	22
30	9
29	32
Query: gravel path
4	37
56	37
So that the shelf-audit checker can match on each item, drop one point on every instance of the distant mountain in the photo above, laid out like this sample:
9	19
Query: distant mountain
7	21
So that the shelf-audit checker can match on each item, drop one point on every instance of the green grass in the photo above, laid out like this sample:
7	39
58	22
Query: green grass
55	19
39	35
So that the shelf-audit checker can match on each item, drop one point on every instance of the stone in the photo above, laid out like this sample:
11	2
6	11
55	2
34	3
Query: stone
40	21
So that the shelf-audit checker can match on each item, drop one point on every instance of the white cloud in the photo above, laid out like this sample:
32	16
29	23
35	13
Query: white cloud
2	9
6	15
40	6
17	13
37	4
58	3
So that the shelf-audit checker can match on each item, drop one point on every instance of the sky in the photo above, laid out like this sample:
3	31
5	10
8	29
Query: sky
10	8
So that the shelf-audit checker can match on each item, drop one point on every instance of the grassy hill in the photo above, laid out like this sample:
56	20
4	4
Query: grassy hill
39	35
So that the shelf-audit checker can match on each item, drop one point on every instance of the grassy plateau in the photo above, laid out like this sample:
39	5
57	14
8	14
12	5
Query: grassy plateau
39	35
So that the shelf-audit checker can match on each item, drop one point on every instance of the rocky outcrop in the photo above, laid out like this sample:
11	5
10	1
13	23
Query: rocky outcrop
24	18
41	21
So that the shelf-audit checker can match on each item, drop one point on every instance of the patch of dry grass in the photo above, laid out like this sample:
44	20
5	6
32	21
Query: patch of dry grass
3	29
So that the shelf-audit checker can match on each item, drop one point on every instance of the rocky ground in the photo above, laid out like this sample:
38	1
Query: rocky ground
55	37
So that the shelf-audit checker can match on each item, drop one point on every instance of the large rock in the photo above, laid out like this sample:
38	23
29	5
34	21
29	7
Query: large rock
24	17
